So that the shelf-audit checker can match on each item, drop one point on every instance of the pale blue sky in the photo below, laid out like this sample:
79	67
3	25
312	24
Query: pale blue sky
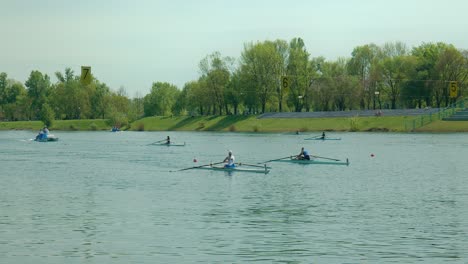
135	43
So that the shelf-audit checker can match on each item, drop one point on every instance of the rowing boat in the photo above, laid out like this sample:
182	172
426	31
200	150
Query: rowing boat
47	138
319	138
314	161
168	145
264	170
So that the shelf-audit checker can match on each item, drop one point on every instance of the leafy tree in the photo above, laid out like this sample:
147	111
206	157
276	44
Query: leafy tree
363	64
258	68
427	76
38	85
298	72
215	74
161	99
395	72
451	66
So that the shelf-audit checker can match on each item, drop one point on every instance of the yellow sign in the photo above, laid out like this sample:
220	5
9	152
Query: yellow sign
453	89
285	82
86	75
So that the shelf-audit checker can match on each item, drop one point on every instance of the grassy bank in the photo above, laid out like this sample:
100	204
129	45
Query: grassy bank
252	124
247	124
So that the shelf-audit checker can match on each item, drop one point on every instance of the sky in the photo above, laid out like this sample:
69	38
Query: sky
134	43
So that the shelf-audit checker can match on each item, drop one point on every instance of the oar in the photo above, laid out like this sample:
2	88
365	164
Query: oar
245	164
288	157
199	166
156	142
324	158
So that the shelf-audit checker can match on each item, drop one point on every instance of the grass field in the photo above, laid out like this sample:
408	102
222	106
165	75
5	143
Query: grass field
248	124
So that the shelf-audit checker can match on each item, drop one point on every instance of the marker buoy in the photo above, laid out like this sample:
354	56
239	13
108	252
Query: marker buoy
372	155
194	160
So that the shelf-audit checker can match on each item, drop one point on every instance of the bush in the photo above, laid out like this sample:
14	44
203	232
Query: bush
93	126
232	128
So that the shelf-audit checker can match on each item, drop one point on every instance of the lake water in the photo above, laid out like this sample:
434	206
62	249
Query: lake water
102	197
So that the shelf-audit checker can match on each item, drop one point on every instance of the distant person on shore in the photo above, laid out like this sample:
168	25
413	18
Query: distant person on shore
304	155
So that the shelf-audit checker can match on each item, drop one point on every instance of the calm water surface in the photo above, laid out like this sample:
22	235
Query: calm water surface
102	197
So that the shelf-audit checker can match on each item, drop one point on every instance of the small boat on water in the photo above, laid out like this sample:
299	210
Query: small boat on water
314	161
168	145
47	138
264	170
319	138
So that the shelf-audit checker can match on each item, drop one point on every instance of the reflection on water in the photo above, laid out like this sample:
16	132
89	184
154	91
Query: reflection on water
99	197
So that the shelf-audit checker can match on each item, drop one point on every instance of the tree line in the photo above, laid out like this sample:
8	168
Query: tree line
269	76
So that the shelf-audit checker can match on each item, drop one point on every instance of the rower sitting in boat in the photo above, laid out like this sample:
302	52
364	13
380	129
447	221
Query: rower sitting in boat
168	140
42	134
323	135
304	155
229	160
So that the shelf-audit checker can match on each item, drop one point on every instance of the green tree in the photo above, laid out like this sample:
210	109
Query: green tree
450	66
259	68
216	74
427	76
299	74
38	86
363	64
396	71
161	99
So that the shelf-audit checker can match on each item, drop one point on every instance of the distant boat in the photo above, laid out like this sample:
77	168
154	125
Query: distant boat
167	145
314	161
319	138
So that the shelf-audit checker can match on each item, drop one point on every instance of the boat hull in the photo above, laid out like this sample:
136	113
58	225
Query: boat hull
240	169
168	145
322	139
316	162
49	138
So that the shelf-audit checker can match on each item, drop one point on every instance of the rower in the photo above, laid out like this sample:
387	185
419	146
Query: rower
304	155
229	160
323	135
168	140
